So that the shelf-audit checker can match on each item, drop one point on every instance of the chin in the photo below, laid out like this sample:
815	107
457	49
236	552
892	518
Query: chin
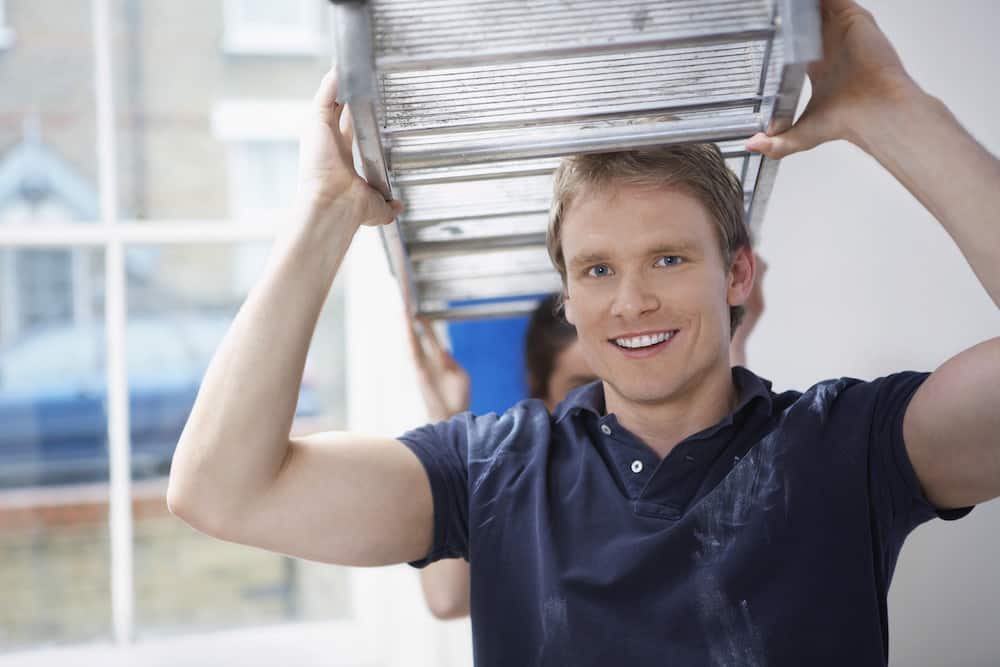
649	391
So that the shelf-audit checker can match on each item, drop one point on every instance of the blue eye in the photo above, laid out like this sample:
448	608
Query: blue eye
599	271
669	260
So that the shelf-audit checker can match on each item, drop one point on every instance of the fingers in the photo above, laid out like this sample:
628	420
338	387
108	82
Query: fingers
325	100
837	5
326	94
440	352
347	127
795	139
345	142
416	346
432	338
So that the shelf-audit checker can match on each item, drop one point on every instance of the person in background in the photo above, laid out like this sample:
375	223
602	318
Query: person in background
554	364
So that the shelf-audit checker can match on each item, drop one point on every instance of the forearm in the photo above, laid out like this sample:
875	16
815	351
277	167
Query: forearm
237	435
921	143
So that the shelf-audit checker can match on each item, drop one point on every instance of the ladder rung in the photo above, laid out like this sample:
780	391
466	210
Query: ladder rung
549	142
489	287
509	168
424	35
507	308
420	250
485	227
476	199
504	264
623	112
474	172
482	56
586	86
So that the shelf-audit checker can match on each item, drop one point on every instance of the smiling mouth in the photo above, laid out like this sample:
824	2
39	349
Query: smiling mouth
645	341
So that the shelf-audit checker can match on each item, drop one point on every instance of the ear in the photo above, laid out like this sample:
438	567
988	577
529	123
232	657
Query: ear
741	277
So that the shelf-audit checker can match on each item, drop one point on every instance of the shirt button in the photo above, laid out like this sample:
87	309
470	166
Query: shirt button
637	466
605	429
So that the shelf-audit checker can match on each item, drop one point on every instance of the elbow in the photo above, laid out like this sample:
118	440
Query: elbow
180	504
185	504
177	503
195	514
448	607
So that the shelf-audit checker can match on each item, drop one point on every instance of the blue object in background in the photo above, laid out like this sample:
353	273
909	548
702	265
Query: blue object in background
53	395
492	352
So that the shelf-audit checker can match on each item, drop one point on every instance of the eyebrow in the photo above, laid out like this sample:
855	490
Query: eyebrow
683	248
587	260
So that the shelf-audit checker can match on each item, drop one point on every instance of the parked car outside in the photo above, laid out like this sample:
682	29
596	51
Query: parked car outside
53	397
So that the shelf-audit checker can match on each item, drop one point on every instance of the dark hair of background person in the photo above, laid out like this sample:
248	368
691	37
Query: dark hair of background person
548	334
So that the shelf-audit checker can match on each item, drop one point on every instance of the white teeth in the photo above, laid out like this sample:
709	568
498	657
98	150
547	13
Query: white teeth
644	341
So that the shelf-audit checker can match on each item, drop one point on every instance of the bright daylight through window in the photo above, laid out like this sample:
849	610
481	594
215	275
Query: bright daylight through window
150	228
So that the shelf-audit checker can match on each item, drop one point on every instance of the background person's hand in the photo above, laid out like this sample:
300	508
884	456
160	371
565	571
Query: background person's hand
326	163
444	384
859	74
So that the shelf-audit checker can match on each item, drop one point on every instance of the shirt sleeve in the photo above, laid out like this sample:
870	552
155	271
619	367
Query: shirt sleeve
893	483
443	450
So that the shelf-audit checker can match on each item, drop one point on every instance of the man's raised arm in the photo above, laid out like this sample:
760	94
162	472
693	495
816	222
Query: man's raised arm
862	93
237	474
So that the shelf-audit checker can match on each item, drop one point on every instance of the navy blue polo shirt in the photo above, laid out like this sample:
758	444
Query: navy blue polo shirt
768	539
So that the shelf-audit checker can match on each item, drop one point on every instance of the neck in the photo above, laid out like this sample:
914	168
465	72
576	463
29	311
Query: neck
664	423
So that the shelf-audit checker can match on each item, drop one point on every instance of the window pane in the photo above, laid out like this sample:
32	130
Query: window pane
262	177
181	302
190	116
54	550
263	14
48	166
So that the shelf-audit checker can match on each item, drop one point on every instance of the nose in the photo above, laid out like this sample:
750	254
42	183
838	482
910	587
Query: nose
633	297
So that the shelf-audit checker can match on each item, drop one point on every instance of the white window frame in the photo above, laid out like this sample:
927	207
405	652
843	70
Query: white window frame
6	32
238	122
354	637
242	38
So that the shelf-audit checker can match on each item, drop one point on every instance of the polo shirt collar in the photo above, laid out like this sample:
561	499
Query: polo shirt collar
590	397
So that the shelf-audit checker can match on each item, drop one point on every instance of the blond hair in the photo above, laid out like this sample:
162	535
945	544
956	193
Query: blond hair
697	169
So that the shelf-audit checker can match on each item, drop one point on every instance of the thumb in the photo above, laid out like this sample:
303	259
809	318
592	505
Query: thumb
801	136
792	140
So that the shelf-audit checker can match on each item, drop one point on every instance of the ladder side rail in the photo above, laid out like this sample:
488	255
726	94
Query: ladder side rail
357	87
799	25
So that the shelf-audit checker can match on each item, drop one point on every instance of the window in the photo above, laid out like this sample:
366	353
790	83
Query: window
261	139
6	33
262	176
273	26
144	245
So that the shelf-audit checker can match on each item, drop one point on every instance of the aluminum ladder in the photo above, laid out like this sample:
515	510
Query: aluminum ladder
462	109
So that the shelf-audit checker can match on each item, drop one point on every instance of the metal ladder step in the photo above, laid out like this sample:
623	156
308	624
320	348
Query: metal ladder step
463	107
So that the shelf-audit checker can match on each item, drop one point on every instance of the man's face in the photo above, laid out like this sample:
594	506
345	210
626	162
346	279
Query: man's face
648	290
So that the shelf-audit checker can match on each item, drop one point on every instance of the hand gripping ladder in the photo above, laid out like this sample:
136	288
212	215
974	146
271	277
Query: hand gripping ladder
462	109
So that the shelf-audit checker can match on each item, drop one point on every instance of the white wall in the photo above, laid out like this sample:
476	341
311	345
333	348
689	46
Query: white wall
864	282
383	398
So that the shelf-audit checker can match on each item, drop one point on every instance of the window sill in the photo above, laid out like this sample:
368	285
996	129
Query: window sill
292	45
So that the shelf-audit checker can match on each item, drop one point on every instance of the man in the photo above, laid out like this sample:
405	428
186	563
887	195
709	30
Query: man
676	512
554	365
